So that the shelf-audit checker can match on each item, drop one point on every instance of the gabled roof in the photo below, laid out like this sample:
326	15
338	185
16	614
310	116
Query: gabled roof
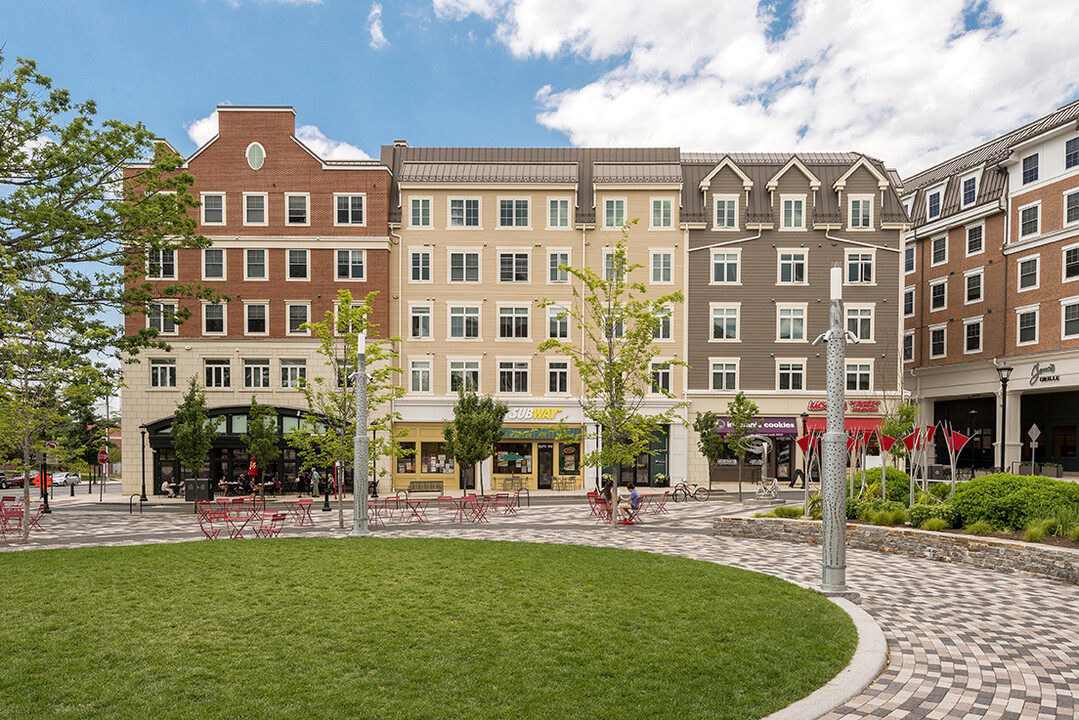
726	162
882	182
814	182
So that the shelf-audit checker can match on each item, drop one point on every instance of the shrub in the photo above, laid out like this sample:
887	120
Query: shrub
815	503
935	524
1012	501
788	511
1066	519
945	512
855	508
1036	530
898	484
980	527
918	514
1074	533
888	517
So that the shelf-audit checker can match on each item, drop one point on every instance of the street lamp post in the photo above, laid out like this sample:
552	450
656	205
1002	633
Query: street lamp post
974	451
1004	372
142	429
360	444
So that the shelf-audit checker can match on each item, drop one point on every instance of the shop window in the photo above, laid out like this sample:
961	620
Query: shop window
569	459
434	460
406	464
513	458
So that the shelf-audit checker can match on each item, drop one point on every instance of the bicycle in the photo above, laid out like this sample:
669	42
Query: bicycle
682	492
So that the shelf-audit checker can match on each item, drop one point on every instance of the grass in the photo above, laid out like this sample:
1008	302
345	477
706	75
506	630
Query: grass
380	628
980	527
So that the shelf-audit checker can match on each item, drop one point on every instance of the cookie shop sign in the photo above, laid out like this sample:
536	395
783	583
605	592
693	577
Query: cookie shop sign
527	413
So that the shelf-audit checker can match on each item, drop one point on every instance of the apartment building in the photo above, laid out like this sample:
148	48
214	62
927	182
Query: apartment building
479	237
764	230
288	230
990	264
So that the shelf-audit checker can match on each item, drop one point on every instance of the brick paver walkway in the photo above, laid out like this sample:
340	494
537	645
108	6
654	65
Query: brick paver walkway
963	643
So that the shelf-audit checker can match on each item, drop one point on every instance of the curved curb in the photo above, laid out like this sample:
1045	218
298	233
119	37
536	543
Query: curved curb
869	661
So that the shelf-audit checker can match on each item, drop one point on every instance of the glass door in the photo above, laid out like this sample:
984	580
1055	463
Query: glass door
544	465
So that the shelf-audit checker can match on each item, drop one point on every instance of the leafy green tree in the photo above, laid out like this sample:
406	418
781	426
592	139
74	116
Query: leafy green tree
741	421
193	432
476	428
261	440
898	423
618	322
709	441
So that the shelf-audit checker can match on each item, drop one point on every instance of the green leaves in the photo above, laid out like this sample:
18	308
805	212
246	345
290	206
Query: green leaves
193	433
476	427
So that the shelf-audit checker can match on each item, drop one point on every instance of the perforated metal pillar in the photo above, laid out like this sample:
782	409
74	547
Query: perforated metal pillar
834	472
360	444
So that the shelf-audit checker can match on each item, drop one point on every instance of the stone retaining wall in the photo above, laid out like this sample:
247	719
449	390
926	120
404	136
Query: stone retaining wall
990	553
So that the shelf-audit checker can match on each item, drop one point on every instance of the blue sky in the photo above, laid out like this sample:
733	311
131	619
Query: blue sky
911	83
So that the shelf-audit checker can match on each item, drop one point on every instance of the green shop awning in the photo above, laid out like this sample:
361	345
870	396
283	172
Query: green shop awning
551	432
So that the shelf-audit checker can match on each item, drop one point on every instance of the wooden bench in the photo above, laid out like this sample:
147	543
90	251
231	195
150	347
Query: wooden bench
424	486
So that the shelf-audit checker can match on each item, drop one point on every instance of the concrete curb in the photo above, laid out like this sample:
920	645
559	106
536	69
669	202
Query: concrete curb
870	659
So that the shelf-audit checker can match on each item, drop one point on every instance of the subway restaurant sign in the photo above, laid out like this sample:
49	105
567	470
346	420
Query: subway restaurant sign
529	413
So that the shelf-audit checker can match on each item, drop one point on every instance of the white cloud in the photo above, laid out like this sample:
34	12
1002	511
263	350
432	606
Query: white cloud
326	148
374	26
907	82
202	131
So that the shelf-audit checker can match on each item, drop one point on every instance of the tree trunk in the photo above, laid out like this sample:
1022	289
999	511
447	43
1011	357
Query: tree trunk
26	493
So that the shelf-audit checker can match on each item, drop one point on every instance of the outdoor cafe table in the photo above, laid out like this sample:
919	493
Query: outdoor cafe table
300	510
417	510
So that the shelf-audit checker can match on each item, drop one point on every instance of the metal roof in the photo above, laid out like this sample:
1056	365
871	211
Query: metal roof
605	172
499	172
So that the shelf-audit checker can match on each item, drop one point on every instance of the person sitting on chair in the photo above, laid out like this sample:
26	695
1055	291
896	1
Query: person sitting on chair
169	488
626	502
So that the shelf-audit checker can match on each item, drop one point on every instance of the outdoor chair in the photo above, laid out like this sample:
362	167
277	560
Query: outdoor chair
35	517
633	514
270	526
601	510
10	519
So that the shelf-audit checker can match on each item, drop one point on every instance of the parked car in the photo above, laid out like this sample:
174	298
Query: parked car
17	480
67	478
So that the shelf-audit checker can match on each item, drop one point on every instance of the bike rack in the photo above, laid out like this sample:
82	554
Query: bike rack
131	503
527	497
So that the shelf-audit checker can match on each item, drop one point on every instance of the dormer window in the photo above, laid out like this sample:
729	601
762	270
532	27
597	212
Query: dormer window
933	205
970	190
1030	168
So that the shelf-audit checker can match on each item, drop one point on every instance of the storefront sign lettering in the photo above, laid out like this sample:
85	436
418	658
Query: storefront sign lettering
772	426
849	405
524	413
1043	373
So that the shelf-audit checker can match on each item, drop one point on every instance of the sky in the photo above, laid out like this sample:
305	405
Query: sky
910	82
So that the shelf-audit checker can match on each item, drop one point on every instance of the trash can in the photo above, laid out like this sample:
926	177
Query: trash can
936	472
198	489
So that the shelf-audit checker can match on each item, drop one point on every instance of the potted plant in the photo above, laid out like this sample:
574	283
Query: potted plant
661	480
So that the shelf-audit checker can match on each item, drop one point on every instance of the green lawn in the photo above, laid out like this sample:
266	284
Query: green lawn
378	628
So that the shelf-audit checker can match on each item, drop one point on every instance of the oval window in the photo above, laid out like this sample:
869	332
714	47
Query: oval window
255	155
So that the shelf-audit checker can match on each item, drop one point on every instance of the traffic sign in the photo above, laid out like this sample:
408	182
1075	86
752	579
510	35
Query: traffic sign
103	456
52	445
1034	433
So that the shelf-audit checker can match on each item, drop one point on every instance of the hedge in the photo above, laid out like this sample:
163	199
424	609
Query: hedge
1012	501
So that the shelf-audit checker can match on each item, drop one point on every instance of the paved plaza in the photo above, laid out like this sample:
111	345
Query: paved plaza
963	643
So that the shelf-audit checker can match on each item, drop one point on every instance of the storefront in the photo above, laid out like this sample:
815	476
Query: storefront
781	431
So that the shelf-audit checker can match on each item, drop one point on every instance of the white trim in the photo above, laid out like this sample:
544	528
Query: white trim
247	156
912	289
737	307
872	308
980	272
804	307
551	310
706	183
430	212
307	265
569	212
247	305
514	251
1064	207
913	247
450	252
224	265
547	264
773	182
412	307
1019	217
784	198
932	284
1064	264
943	327
1064	304
175	305
265	265
224	208
422	250
653	253
804	362
736	361
966	238
737	252
726	198
860	361
336	264
652	213
160	253
861	197
625	209
429	361
337	195
932	251
450	199
224	318
513	305
464	360
977	320
526	360
306	209
1036	309
847	252
451	305
547	376
1036	257
913	347
975	176
935	190
514	199
779	265
265	209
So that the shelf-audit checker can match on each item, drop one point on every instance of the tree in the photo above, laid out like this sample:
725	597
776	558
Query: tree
476	428
325	437
193	432
709	441
618	323
741	421
898	423
260	440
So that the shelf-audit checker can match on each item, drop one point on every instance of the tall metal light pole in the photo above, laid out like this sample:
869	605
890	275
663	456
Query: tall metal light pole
1004	372
142	429
360	443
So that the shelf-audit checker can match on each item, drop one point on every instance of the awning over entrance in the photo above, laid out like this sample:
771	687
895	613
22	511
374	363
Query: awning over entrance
817	424
551	432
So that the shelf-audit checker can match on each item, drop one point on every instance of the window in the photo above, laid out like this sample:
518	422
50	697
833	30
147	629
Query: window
908	259
726	209
614	328
661	213
610	272
513	322
163	373
908	301
213	209
1028	273
213	264
297	318
724	323
938	295
465	212
970	190
662	330
256	155
557	376
465	322
421	212
791	376
256	373
513	213
940	250
160	265
218	373
614	213
345	317
908	347
213	319
724	375
972	335
1026	325
295	209
421	266
434	460
858	375
556	261
1071	207
255	264
293	373
254	208
1069	318
421	322
860	267
1029	220
350	265
255	321
513	267
512	376
661	378
297	264
974	286
793	213
933	205
725	267
1071	263
464	267
558	213
349	209
162	317
861	212
938	341
557	323
420	371
791	322
860	322
792	267
661	267
1071	153
975	243
1030	168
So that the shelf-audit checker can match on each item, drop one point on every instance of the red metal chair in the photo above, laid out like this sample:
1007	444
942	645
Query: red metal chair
601	509
273	527
35	518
